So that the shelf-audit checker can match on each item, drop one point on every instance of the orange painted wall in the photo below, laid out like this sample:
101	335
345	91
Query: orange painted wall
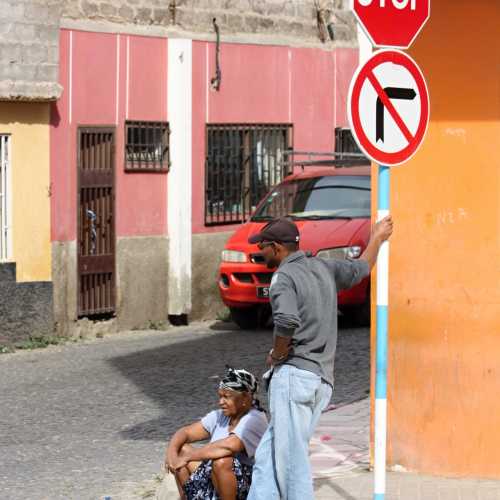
444	352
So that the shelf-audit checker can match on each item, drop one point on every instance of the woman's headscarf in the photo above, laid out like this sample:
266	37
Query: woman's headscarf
239	381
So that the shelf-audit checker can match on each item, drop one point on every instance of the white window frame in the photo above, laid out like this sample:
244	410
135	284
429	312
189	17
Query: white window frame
5	198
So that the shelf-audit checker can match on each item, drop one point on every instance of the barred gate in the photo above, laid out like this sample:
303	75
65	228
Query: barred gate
96	221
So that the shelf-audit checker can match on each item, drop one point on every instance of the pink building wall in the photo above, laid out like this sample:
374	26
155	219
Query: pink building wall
268	84
108	78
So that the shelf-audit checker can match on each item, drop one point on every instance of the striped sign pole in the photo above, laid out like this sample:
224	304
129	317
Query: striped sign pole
381	354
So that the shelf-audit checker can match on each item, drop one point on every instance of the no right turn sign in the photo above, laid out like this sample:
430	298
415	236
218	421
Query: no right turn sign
388	107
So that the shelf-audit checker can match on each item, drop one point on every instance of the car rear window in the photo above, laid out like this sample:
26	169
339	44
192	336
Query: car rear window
327	197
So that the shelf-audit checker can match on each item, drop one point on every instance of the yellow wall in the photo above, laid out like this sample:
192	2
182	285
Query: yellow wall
444	353
28	124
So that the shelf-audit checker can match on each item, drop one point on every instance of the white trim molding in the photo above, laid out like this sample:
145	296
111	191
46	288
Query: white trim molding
5	198
179	209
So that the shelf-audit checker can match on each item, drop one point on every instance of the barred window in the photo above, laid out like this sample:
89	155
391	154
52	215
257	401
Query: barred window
5	193
345	143
242	163
147	146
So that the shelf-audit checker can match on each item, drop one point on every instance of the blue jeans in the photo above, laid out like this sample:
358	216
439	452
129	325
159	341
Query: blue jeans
282	469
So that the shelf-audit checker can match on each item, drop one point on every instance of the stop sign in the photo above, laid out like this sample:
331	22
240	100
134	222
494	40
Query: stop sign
392	23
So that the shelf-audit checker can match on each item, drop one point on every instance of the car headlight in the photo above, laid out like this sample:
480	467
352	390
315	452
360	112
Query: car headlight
233	256
340	253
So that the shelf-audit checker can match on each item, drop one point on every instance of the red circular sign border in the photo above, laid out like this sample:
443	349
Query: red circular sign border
396	57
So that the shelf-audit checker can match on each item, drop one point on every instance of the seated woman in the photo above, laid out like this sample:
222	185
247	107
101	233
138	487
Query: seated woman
221	469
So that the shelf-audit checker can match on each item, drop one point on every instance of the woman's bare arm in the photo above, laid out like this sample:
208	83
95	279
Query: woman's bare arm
187	434
226	447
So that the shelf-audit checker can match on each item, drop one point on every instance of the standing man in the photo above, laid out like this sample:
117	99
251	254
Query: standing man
304	305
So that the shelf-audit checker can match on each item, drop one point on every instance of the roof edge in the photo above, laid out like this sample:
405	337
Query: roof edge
26	91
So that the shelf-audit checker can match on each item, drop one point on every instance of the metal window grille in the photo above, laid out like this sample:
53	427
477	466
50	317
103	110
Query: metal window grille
345	143
242	163
5	212
147	146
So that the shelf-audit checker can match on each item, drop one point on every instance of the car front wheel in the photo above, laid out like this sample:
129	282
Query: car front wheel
359	315
363	312
250	318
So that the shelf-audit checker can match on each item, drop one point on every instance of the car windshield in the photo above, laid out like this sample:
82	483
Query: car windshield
328	197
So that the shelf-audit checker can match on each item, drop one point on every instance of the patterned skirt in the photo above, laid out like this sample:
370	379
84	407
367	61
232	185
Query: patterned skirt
199	486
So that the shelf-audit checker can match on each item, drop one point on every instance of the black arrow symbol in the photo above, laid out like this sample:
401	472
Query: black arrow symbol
392	93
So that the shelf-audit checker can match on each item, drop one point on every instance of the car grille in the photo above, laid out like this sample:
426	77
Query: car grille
264	278
258	278
243	277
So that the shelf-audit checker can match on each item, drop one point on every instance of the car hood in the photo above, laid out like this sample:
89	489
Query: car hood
315	235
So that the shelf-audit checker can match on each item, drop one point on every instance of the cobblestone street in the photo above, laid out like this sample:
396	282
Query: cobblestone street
83	420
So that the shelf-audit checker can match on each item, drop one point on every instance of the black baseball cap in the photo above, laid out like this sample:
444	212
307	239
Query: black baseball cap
280	230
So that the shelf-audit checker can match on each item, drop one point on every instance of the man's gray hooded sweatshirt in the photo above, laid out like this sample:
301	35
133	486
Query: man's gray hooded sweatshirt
304	303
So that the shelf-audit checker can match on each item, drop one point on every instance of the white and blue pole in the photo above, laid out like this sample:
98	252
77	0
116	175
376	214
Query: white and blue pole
381	352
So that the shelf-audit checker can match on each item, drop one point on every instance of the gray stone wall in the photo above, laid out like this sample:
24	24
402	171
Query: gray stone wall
29	49
25	308
300	21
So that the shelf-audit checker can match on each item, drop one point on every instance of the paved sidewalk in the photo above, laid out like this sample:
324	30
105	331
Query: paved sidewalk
405	486
340	459
340	443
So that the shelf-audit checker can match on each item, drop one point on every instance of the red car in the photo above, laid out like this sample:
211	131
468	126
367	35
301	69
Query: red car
331	207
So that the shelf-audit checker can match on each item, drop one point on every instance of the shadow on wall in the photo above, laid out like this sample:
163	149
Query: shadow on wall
26	113
459	58
182	378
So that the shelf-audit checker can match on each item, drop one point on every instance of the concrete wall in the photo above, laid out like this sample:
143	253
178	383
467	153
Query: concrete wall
289	21
142	286
142	265
444	303
29	52
207	250
64	278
